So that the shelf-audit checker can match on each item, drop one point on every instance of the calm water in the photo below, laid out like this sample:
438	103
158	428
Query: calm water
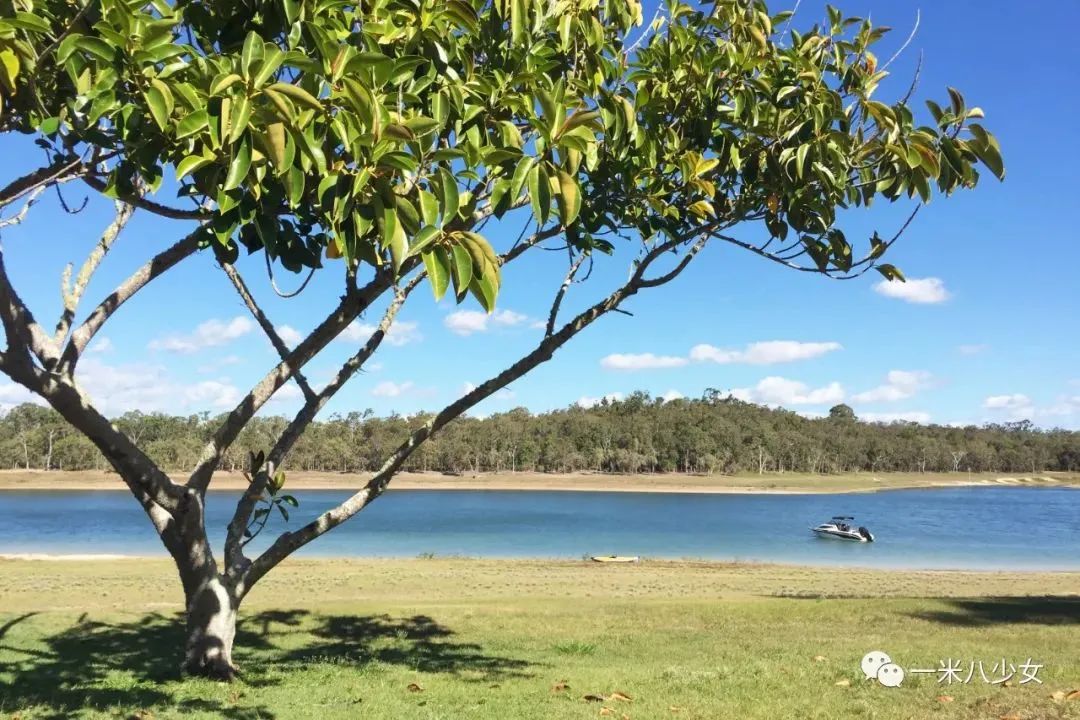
1015	528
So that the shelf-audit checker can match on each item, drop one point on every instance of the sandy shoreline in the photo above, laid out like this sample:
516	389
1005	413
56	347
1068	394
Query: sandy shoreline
775	484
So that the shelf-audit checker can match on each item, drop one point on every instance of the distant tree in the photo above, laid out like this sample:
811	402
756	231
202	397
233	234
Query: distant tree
384	136
842	412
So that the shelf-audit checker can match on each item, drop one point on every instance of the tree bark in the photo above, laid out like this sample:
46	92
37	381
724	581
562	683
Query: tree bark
211	629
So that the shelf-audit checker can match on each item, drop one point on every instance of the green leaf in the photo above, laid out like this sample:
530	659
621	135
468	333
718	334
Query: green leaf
891	272
540	194
461	270
28	21
569	198
160	100
518	18
96	46
238	168
192	123
272	59
192	163
238	121
298	94
393	236
429	208
438	270
448	189
423	238
223	82
251	52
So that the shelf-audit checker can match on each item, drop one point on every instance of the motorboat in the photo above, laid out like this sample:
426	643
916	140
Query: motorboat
842	527
615	558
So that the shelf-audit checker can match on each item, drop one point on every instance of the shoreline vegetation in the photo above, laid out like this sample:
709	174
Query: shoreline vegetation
531	639
743	483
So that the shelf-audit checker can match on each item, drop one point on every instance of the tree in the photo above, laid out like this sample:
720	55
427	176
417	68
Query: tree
842	412
384	136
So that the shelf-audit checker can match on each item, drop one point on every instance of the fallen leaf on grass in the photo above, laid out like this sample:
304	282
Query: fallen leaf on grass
944	698
842	683
820	658
676	708
560	686
606	711
1074	695
414	687
1057	695
621	696
593	698
1010	716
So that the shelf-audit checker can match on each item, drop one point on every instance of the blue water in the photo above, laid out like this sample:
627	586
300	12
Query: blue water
971	528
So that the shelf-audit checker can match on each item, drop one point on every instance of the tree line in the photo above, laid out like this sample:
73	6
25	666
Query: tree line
639	434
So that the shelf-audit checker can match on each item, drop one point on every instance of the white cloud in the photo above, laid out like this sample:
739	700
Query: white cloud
672	395
400	333
211	393
389	388
209	334
289	391
588	402
764	353
115	389
974	349
1013	407
899	385
1007	402
888	417
99	346
467	322
643	361
12	394
216	365
924	291
782	391
289	335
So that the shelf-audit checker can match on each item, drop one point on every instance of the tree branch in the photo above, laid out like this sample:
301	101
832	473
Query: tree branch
72	295
149	205
553	314
267	326
234	558
24	334
21	215
289	542
155	267
42	177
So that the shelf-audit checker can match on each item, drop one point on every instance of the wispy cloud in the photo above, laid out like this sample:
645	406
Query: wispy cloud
588	402
899	385
643	361
781	391
388	388
211	333
974	349
400	333
888	417
468	322
100	345
923	291
289	335
764	353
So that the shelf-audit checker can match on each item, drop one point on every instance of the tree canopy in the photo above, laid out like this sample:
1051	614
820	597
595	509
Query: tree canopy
382	137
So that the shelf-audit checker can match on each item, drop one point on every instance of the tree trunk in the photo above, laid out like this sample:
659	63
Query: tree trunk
211	629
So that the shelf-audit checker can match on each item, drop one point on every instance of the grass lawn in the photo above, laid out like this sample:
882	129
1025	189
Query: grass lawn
455	638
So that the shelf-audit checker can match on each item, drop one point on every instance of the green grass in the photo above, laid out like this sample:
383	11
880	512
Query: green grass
483	639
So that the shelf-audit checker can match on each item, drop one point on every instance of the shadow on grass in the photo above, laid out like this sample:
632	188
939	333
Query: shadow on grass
136	665
1048	610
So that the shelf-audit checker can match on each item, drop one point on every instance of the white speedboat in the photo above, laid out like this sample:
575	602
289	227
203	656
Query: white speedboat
840	528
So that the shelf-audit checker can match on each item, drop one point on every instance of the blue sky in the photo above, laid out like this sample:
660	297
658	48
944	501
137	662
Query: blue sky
983	333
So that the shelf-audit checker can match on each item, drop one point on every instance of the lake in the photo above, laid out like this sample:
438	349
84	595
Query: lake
968	528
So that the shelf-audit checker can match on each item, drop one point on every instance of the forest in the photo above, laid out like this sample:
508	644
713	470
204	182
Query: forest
639	434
